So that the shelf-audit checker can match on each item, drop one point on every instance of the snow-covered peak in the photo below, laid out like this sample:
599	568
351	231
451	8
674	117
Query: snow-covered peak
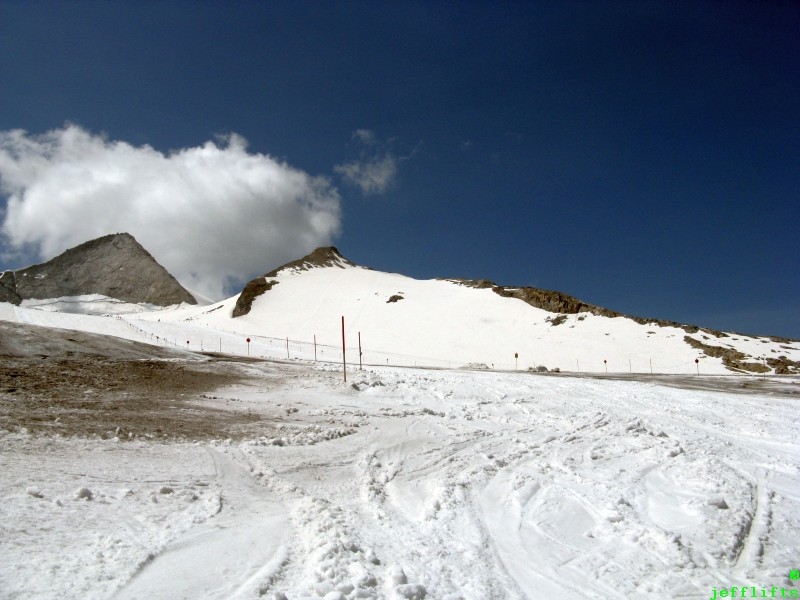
320	259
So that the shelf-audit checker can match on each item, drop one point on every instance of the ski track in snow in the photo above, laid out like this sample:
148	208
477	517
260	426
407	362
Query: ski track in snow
412	484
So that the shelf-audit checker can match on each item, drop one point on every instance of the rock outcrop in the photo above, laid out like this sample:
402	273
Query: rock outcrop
251	291
114	265
329	256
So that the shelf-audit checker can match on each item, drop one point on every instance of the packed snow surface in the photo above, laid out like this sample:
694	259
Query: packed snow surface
409	483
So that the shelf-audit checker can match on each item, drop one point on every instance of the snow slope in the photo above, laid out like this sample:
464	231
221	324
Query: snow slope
447	324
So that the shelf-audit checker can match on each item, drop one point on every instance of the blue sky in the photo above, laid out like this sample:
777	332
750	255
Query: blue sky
643	156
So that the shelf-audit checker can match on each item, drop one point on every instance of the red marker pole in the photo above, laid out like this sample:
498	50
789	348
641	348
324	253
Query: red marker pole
315	348
359	351
248	346
344	361
697	364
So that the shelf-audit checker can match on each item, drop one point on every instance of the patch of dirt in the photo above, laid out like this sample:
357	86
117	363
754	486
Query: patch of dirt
81	384
729	384
91	395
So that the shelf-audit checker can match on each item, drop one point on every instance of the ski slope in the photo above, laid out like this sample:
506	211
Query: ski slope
411	483
443	323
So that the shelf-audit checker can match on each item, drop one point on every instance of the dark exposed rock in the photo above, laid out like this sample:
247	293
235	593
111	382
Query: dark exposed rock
556	320
394	298
114	265
8	288
548	300
732	359
251	291
328	256
784	366
782	340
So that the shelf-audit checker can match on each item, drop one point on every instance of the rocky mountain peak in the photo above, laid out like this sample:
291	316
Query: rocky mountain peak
114	265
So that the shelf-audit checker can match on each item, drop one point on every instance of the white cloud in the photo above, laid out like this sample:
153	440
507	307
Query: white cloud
376	169
214	215
373	176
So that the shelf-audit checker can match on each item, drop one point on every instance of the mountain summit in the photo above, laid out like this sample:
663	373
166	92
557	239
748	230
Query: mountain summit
115	265
328	256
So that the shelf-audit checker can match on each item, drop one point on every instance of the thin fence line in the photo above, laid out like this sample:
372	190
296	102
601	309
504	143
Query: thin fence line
213	341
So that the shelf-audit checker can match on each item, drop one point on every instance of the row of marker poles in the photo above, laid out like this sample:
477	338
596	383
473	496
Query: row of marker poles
630	368
360	353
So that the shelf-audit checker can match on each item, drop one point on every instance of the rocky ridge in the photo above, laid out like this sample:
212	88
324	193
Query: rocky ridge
114	265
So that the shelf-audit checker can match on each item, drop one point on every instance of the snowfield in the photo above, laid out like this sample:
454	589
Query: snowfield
441	323
411	483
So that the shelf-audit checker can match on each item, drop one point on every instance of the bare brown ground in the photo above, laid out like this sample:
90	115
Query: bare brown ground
49	387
